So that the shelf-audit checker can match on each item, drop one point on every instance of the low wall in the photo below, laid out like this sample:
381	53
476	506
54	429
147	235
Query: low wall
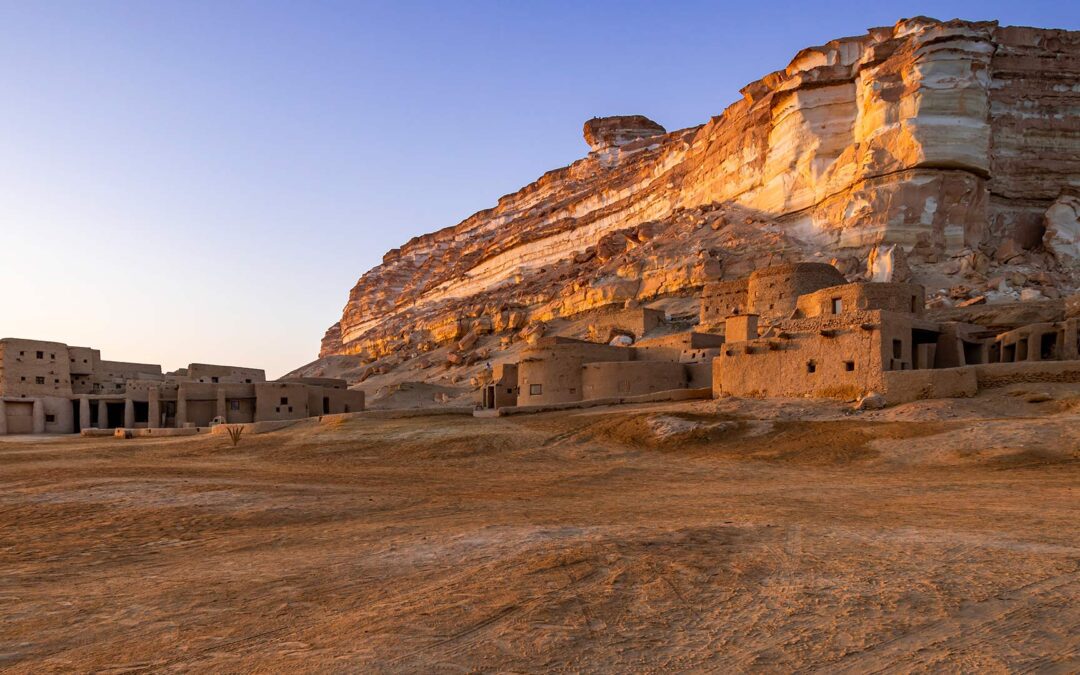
904	386
275	425
267	426
93	432
398	414
159	433
992	375
656	397
255	427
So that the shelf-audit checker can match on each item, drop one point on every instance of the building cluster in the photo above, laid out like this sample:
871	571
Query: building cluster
789	331
792	331
564	370
49	387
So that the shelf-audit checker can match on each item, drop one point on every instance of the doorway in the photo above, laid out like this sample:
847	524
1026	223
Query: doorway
114	415
1048	347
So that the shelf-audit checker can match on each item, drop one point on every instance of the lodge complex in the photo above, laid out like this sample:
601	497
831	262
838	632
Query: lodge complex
796	330
49	387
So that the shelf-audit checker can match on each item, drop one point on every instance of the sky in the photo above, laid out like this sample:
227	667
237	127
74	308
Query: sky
204	181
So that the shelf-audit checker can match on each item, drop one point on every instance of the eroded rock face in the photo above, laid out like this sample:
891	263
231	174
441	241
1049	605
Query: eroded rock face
925	140
1062	236
606	132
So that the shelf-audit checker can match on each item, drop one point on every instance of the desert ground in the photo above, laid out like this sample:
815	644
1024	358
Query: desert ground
725	535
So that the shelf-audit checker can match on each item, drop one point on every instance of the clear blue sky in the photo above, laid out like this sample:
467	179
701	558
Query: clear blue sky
204	181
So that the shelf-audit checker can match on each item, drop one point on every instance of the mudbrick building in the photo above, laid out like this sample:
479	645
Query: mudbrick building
49	387
797	330
851	340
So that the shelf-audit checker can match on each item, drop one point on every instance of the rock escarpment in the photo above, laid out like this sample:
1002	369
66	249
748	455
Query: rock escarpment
947	153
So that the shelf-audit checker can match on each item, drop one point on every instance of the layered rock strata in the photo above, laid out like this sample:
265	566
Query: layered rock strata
909	148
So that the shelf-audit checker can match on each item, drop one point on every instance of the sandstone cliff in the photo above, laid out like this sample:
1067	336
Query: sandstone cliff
945	152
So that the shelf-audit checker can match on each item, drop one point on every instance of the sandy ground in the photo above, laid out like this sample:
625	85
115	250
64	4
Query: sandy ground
724	536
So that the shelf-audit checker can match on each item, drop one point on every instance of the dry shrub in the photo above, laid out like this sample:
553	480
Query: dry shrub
235	431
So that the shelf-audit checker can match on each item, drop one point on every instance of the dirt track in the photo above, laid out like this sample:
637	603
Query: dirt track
715	535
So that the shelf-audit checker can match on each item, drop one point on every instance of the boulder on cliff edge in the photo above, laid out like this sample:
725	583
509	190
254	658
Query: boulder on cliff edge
607	132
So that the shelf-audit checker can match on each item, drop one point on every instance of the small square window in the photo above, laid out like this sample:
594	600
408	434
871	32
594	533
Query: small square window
41	355
536	389
39	380
284	400
214	380
50	418
849	365
247	381
290	408
811	367
22	379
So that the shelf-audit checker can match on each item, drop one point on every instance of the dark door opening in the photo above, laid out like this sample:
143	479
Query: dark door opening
1048	347
75	416
168	414
114	413
326	405
973	353
142	412
922	357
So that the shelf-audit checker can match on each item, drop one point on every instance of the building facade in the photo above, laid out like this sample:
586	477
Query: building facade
49	387
854	339
768	292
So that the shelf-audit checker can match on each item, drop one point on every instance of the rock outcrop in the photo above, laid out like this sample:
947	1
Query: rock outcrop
602	133
1062	235
945	147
